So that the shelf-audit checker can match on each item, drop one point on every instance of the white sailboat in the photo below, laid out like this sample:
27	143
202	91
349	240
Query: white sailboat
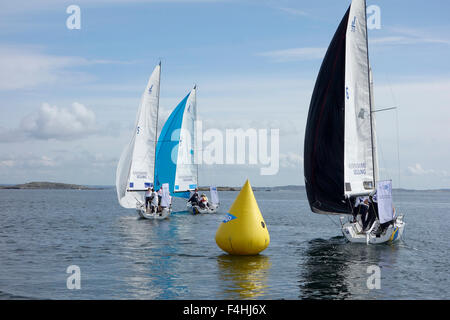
340	155
212	206
136	168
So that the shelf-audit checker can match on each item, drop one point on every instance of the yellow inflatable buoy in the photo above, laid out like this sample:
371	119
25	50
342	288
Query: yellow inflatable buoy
244	231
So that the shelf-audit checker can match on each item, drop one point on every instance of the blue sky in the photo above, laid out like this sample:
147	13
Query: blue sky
255	63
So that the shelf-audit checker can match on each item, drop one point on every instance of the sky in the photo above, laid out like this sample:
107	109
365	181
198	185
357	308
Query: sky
68	97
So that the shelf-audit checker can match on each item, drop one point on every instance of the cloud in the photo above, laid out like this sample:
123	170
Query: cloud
295	54
52	122
408	36
404	40
418	170
291	160
23	69
28	160
28	67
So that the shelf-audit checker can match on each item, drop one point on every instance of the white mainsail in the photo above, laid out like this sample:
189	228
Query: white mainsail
135	171
186	170
358	160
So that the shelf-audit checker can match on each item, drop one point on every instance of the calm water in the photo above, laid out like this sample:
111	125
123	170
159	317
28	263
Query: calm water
121	257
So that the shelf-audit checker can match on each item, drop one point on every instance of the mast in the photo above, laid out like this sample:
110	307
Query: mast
195	135
156	131
369	72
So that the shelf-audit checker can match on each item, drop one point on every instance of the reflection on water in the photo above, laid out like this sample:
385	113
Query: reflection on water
244	277
337	269
323	272
149	248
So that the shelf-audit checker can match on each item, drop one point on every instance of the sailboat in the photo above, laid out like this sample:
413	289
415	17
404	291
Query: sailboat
340	149
212	206
136	168
175	150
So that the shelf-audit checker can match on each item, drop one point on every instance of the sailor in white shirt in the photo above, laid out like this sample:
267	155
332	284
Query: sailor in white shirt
148	196
154	201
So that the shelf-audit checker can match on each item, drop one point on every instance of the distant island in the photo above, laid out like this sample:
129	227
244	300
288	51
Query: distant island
276	188
66	186
49	185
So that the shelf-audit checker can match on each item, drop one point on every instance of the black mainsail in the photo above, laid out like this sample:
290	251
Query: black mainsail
339	149
324	136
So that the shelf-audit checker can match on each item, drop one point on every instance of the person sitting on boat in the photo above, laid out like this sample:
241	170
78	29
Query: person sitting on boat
361	208
203	201
159	196
148	198
154	204
194	200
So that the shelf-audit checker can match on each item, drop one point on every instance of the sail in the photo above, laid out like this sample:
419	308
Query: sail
135	170
186	173
358	158
324	134
174	150
214	195
384	198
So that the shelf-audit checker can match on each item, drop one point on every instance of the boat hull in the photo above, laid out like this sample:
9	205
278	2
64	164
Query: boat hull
352	232
197	210
165	213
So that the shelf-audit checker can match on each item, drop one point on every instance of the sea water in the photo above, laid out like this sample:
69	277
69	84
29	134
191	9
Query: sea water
44	232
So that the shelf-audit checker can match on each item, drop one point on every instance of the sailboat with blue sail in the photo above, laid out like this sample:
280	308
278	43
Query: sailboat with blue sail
176	154
175	149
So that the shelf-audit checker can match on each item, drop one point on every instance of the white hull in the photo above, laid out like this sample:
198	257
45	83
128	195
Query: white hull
196	209
165	213
352	232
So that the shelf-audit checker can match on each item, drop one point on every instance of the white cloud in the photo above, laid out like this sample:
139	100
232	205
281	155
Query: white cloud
28	161
28	67
418	170
52	122
22	68
291	160
405	40
295	54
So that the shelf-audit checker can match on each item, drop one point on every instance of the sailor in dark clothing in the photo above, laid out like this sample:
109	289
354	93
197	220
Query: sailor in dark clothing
362	208
194	199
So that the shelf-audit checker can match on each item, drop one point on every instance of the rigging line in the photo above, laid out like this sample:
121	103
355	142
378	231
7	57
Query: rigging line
332	220
397	127
385	109
398	148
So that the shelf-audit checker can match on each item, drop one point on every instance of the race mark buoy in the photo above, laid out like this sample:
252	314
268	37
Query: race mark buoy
244	231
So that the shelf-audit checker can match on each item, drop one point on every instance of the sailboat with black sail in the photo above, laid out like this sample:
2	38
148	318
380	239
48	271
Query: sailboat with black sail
340	149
